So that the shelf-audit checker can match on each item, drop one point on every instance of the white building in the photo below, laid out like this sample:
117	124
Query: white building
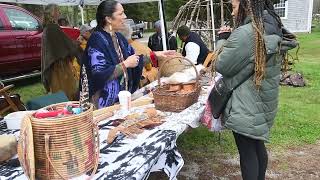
296	15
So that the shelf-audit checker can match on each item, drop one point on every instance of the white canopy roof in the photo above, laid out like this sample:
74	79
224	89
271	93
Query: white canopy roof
93	2
71	2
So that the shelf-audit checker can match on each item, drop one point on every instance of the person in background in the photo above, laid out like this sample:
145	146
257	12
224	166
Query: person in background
250	59
85	33
194	48
110	62
63	22
149	73
155	41
58	52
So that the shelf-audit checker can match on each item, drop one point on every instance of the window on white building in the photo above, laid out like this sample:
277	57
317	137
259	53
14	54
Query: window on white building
281	8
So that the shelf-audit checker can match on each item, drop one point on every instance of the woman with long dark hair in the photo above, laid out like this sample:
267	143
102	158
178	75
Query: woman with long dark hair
110	61
250	60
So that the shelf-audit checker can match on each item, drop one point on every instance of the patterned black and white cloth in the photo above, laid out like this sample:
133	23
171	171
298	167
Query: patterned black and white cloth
127	158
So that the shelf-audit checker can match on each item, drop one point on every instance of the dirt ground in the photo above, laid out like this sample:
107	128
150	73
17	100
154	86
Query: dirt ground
299	163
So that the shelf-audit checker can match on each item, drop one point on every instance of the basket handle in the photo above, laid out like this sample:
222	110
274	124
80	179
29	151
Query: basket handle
183	58
46	144
47	138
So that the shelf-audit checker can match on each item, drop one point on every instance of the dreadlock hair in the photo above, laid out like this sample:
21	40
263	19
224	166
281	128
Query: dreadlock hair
285	62
270	8
242	13
254	9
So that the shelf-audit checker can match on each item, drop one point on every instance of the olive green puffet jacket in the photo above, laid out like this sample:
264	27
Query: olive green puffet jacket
249	111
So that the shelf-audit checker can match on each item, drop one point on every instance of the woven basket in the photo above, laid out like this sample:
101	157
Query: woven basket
26	149
65	147
175	64
165	100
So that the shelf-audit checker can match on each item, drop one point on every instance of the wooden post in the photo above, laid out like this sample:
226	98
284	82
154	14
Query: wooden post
208	24
222	13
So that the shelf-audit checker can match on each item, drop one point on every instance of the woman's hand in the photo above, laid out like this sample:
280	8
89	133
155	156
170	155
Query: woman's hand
132	61
164	54
224	32
224	29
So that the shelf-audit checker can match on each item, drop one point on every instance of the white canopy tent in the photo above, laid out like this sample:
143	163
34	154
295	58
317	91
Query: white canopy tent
80	3
71	2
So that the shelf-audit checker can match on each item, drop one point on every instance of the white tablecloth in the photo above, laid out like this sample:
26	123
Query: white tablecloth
125	158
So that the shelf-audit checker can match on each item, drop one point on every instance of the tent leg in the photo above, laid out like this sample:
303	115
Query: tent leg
213	25
163	26
82	15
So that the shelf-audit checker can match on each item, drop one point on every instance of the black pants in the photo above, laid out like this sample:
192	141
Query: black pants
253	157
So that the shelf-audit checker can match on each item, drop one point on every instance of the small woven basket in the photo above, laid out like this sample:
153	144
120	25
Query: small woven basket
165	100
65	147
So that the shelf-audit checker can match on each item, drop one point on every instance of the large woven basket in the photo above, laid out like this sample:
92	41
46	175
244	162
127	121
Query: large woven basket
173	101
65	147
174	65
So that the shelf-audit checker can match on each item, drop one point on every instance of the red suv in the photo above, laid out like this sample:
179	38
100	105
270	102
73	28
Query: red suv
20	40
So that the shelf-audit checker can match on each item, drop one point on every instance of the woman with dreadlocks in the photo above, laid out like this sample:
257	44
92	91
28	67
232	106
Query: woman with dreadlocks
250	60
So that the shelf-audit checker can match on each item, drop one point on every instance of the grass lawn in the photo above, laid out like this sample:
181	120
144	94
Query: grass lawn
29	88
297	121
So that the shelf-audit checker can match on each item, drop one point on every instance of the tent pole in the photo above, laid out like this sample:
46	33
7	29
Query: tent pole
212	24
163	25
82	16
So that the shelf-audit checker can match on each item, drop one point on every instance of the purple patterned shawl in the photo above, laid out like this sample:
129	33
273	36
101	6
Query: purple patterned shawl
100	59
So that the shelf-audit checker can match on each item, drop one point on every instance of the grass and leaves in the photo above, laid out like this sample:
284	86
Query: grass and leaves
297	122
298	119
29	88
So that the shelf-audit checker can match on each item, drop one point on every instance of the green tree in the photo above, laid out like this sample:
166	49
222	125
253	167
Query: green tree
142	11
149	11
172	8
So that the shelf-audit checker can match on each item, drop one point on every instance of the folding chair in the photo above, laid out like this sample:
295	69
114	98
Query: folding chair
4	91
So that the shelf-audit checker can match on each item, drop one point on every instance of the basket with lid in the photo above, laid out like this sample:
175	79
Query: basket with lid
63	147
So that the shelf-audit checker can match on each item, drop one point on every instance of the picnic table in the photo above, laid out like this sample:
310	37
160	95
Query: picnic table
133	158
